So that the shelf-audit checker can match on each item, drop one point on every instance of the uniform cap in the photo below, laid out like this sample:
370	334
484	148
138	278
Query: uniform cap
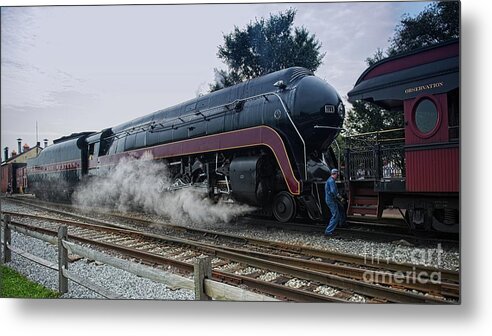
334	170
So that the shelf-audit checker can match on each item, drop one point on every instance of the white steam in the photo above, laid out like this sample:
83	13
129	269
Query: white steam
141	184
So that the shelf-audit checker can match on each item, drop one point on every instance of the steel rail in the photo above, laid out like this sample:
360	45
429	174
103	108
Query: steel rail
380	277
299	226
448	275
405	281
152	258
347	231
361	287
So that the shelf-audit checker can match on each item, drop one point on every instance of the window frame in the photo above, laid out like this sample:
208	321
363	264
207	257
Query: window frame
413	122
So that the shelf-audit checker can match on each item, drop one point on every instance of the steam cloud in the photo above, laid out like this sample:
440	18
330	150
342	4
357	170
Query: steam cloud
142	183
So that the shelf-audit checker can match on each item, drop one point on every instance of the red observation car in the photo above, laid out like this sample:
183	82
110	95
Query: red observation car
416	168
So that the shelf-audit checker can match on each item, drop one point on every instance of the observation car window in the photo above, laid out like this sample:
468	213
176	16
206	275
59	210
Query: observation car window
426	116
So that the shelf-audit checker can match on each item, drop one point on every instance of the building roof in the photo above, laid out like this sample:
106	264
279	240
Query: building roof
17	156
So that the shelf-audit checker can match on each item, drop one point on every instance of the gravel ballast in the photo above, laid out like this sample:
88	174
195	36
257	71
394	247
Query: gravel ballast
116	281
129	286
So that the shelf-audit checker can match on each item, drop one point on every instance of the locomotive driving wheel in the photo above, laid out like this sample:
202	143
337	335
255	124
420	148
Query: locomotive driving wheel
284	207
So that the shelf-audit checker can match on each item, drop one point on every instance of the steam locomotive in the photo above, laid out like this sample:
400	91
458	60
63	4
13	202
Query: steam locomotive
264	142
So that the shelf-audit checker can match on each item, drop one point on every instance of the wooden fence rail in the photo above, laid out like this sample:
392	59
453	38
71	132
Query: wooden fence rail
202	284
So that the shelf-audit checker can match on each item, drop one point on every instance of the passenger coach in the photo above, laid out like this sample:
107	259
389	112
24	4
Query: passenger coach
415	168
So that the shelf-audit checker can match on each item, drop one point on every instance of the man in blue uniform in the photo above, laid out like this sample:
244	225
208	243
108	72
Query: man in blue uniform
331	196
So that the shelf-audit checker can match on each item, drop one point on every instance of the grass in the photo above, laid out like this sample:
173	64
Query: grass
15	285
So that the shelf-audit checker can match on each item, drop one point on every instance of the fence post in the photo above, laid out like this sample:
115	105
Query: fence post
6	253
202	271
62	260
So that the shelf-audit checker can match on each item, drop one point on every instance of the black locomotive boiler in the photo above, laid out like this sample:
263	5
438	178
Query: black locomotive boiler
263	142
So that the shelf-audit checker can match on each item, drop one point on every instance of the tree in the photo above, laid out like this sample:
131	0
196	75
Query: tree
438	22
378	56
265	46
367	117
224	79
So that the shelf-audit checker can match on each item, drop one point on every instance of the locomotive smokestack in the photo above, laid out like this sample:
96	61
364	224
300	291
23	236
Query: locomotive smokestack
45	143
19	141
6	153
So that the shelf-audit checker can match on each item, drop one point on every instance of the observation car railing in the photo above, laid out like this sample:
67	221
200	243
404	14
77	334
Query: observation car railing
375	155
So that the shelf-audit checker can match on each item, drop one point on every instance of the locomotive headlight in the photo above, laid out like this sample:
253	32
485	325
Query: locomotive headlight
341	110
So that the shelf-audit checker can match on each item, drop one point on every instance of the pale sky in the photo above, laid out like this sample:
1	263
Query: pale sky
85	68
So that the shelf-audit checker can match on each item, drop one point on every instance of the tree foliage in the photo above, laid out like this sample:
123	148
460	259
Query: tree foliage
368	117
437	23
264	46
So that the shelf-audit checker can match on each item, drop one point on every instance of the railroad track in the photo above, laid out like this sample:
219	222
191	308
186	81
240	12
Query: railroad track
361	228
282	270
387	230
